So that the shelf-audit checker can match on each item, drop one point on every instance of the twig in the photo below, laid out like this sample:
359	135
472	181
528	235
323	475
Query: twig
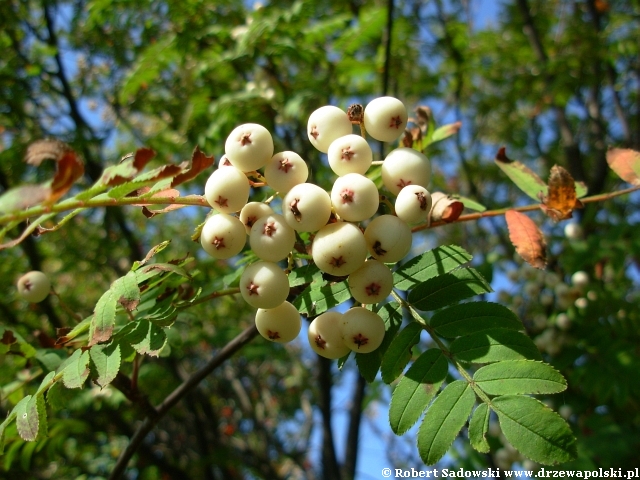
174	397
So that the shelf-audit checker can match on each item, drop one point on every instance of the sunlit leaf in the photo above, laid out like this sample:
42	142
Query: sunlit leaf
448	288
527	238
494	346
473	317
513	377
430	264
524	178
398	354
626	163
478	428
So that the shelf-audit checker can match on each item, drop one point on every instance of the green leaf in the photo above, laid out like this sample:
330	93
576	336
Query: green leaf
524	178
534	429
157	268
473	317
77	369
514	377
104	318
399	352
448	288
50	358
147	338
469	203
416	389
581	189
478	427
27	418
314	301
443	420
494	346
369	363
343	360
41	408
445	131
126	291
430	264
106	359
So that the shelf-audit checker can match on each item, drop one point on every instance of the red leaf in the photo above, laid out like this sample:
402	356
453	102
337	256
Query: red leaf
527	238
199	162
626	163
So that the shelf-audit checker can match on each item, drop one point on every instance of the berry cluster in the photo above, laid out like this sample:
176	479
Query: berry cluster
347	238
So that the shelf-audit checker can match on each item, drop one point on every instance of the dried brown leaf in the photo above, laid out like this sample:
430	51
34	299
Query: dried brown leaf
626	163
142	157
199	162
561	199
527	238
69	169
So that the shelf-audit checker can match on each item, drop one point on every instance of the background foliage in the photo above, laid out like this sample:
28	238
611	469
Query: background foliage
556	82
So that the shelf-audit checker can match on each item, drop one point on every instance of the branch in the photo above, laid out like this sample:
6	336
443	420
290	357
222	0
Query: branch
353	434
174	397
526	208
330	467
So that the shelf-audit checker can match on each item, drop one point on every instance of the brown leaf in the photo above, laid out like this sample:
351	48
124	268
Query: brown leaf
8	338
128	303
626	163
142	157
46	149
199	162
445	208
69	169
424	115
527	238
44	340
561	199
170	194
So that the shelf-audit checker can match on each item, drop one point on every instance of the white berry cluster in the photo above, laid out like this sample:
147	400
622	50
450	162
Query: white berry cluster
348	239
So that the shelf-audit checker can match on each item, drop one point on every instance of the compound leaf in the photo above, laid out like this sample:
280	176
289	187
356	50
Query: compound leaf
430	264
399	352
468	318
443	420
494	346
534	429
126	291
478	427
448	288
513	377
416	389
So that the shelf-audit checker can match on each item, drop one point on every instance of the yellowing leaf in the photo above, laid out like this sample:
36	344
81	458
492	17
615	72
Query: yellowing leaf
561	199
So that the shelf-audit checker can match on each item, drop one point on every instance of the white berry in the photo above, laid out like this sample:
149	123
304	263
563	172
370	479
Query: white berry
354	197
223	236
227	190
34	286
285	170
264	285
573	231
249	147
327	124
306	207
350	154
371	283
580	279
325	336
413	204
271	238
405	166
362	330
385	118
252	212
280	324
388	238
339	249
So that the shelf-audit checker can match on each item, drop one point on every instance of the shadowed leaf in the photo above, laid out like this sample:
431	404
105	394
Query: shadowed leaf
527	238
478	428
